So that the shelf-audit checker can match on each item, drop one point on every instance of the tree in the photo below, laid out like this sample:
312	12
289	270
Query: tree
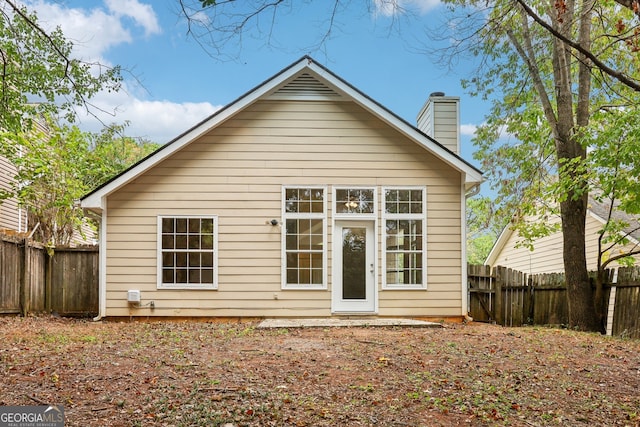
38	76
111	152
48	181
483	228
549	93
40	83
56	165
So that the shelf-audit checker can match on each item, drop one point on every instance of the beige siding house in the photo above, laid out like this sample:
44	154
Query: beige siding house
302	198
13	219
547	257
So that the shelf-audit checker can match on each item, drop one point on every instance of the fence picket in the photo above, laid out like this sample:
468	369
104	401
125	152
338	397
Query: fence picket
541	299
71	290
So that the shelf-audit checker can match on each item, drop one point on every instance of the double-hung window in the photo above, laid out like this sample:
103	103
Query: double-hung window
304	215
404	217
187	252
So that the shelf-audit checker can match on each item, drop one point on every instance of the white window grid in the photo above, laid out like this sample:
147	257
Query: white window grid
308	214
196	252
356	203
405	216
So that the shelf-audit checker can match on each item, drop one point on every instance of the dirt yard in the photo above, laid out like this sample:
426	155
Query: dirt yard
211	374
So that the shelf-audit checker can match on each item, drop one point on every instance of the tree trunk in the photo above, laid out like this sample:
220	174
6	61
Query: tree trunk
582	314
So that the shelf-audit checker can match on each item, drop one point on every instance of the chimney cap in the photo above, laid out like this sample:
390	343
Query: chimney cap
436	94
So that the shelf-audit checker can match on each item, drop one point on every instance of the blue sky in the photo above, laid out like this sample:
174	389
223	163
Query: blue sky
172	83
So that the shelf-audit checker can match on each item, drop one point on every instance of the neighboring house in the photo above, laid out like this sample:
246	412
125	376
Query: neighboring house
304	197
547	254
13	219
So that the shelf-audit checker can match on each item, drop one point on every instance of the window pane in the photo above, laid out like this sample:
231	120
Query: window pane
181	275
167	242
194	260
181	225
167	259
167	276
194	242
292	276
316	261
207	241
207	276
167	225
207	259
207	226
194	276
292	260
181	242
181	259
194	226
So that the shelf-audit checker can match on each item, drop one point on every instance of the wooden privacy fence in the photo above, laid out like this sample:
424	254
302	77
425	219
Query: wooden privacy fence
512	298
32	281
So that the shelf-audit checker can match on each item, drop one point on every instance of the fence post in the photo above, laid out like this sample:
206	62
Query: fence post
498	314
25	280
47	281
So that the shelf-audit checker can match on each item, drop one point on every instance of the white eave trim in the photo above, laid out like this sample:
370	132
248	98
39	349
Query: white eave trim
498	246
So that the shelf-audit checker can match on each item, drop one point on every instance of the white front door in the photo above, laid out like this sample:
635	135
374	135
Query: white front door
354	269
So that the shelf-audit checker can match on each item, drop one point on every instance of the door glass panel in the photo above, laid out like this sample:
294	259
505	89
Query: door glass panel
354	262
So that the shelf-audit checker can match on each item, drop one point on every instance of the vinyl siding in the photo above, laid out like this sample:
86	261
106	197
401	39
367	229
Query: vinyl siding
439	119
9	211
237	171
547	255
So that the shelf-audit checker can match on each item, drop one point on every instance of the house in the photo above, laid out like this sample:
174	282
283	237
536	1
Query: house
13	219
302	198
547	256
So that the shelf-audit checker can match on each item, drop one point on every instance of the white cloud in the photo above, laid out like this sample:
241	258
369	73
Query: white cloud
158	121
397	7
142	14
93	32
468	130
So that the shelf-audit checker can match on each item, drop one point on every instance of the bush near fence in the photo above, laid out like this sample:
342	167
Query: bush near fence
513	298
32	281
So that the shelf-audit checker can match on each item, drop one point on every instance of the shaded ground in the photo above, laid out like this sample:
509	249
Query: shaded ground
210	374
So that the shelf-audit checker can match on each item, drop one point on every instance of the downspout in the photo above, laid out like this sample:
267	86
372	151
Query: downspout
102	244
465	281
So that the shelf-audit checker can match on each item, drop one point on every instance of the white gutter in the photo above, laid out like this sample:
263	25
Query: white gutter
102	264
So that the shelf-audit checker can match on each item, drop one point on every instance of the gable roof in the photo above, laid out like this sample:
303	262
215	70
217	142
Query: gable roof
597	210
304	79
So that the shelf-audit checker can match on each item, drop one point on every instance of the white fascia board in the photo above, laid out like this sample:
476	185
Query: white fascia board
498	246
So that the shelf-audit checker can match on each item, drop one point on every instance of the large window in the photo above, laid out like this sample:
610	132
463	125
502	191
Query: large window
304	214
187	253
404	218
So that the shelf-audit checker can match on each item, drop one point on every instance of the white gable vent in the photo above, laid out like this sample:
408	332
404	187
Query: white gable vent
305	86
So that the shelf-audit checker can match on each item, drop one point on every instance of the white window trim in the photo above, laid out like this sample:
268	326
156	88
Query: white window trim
216	267
285	216
385	217
354	215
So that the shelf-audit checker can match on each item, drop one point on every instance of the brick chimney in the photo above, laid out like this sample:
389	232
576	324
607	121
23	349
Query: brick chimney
440	119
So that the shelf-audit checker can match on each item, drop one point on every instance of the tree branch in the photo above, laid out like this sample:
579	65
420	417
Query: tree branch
621	77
